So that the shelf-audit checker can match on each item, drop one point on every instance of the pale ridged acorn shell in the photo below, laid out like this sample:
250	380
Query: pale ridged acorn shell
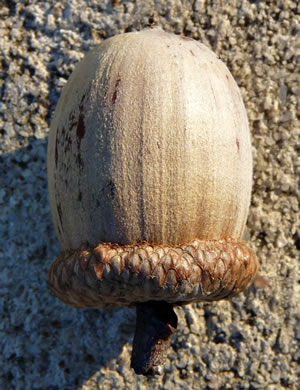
149	142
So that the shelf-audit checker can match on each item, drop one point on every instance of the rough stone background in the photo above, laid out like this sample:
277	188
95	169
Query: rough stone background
250	342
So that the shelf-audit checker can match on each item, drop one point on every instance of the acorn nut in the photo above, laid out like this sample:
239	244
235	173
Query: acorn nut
150	170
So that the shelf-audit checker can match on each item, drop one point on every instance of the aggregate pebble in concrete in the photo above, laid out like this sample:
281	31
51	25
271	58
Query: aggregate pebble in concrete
250	342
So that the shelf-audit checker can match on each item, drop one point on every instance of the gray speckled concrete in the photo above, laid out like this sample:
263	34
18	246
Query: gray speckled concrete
251	342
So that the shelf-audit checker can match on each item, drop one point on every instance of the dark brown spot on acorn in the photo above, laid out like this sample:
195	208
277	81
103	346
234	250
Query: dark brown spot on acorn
186	38
115	94
81	101
80	127
191	51
59	212
80	132
56	152
237	143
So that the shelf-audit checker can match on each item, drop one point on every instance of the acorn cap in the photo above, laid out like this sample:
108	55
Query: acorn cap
112	275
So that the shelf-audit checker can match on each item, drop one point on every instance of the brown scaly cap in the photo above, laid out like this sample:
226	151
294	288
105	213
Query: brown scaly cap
112	275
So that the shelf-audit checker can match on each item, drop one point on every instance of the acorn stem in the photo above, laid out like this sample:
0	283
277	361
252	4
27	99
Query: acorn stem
156	321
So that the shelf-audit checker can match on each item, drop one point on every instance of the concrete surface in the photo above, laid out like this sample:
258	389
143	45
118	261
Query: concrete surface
250	342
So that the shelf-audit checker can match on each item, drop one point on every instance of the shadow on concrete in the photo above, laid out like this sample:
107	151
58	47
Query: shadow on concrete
58	346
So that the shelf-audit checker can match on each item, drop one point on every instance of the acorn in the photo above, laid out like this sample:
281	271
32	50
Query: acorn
150	171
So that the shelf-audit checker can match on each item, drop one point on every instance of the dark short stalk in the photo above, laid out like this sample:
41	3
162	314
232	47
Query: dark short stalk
155	324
